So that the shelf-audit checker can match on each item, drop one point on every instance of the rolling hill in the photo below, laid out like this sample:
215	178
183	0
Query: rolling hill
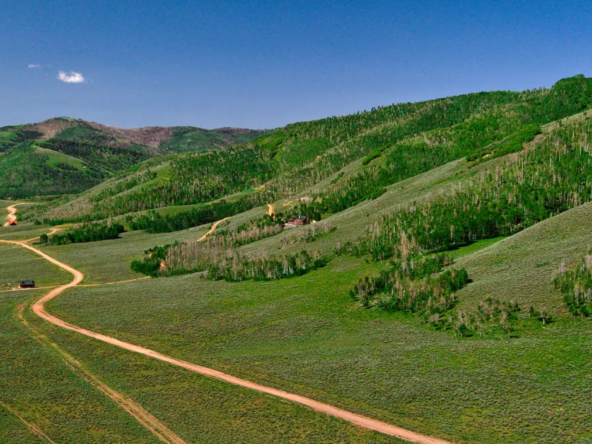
65	156
385	140
440	286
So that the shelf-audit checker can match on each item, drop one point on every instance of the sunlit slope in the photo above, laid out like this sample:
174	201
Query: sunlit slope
522	267
308	336
352	223
65	156
37	168
405	140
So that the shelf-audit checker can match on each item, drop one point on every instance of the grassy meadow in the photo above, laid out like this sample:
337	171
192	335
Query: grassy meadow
18	263
48	393
55	157
305	334
38	388
522	267
201	409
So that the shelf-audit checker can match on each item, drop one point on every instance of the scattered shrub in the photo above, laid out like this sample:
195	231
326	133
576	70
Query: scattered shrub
576	286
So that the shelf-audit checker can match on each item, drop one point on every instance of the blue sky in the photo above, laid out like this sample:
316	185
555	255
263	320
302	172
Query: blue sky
263	64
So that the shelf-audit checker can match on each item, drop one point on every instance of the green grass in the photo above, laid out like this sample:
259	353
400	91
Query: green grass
54	158
201	409
36	384
26	172
474	247
24	264
4	204
24	230
8	139
43	390
164	171
80	132
522	267
89	257
190	139
305	335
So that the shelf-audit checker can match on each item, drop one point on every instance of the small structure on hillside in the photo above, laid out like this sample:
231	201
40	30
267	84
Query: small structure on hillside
296	221
12	223
27	283
306	199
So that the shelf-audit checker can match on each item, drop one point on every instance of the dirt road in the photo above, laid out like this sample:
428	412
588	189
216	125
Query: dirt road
151	423
11	214
359	420
212	228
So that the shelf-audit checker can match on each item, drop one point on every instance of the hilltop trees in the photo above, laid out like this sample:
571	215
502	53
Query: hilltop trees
413	286
197	178
531	187
396	142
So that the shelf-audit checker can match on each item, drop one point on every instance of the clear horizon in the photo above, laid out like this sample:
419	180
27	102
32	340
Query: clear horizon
266	64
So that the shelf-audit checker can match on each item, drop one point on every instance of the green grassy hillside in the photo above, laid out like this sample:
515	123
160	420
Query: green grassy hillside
72	155
304	334
51	167
444	286
403	140
190	139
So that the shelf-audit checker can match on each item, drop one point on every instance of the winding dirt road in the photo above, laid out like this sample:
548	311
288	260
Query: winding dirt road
11	214
151	423
359	420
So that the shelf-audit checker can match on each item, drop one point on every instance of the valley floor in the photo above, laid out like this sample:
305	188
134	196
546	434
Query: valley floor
260	412
301	335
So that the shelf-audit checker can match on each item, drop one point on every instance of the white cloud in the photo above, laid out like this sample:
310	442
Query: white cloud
72	77
33	65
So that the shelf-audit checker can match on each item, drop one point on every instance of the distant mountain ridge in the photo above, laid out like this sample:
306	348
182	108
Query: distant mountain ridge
151	136
65	155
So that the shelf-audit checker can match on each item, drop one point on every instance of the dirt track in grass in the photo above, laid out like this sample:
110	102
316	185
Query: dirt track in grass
212	228
358	420
11	214
150	422
33	428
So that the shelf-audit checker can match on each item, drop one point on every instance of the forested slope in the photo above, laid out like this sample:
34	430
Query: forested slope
408	138
65	156
453	233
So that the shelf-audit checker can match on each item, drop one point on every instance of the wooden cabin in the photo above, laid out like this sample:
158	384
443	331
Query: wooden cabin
27	283
296	221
